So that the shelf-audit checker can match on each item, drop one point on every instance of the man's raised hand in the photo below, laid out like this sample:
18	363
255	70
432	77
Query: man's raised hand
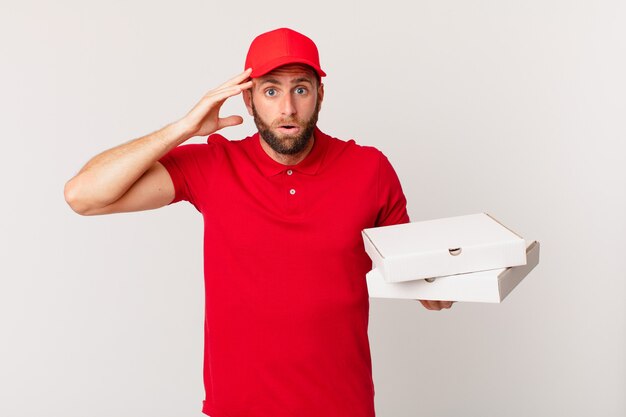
204	119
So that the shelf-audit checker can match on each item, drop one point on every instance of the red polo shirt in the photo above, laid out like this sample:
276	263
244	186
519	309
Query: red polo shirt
286	297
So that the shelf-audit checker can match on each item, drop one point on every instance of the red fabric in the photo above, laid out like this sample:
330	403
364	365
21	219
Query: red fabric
281	47
286	297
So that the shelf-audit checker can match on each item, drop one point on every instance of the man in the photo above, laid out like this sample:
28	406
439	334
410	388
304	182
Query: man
286	297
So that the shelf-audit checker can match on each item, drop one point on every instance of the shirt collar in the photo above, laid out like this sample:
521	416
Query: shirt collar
310	165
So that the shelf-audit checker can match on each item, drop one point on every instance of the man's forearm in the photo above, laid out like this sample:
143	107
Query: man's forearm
108	175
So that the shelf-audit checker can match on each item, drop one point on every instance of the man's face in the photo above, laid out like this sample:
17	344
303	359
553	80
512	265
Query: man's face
285	104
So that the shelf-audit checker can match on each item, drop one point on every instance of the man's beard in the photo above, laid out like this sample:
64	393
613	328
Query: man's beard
288	144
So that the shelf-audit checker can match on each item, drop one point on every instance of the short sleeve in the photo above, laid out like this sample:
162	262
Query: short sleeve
391	199
190	169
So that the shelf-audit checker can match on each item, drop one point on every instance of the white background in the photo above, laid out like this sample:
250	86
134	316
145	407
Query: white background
515	108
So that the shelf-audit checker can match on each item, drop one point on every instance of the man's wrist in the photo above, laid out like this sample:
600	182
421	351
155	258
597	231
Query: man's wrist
179	130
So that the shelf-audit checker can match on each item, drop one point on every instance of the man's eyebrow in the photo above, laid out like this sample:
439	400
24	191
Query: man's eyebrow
269	81
302	80
295	81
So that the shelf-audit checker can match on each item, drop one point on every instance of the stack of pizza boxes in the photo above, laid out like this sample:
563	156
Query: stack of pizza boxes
463	258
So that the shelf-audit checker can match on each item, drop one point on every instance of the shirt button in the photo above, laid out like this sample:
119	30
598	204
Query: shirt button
292	191
289	172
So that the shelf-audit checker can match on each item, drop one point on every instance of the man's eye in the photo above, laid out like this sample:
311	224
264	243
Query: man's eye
300	90
270	92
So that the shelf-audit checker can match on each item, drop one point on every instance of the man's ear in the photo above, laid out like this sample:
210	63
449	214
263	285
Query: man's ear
320	94
247	99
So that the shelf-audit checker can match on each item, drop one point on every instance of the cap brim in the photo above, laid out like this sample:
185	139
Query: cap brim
279	62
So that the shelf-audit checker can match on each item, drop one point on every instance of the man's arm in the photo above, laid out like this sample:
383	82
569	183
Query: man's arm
394	212
129	176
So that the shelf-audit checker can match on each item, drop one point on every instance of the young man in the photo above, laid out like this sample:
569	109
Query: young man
286	297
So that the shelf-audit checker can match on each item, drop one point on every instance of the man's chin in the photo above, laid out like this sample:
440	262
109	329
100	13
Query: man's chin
289	147
289	141
286	145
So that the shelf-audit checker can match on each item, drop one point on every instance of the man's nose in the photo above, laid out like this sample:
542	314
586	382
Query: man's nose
287	107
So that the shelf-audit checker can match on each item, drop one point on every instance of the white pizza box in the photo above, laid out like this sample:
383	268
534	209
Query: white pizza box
440	247
485	286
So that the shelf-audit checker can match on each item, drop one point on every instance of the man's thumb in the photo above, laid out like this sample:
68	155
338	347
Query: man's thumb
230	121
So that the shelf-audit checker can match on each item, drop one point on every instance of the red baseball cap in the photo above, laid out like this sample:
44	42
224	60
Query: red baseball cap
281	47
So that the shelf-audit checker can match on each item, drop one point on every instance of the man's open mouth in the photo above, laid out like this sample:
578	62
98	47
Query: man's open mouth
289	128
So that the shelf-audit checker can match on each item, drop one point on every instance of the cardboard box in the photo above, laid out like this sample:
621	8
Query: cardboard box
485	286
441	247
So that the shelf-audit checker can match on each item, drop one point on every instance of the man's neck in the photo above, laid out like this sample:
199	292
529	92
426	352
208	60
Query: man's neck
288	159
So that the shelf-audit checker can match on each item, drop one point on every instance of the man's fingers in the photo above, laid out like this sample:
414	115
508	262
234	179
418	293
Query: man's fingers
213	100
426	304
237	79
436	305
225	92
